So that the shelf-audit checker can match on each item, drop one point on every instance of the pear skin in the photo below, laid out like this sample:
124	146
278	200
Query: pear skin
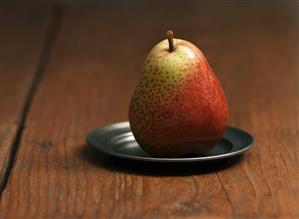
178	107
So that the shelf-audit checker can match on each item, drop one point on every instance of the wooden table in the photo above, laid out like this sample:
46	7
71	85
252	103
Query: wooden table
68	68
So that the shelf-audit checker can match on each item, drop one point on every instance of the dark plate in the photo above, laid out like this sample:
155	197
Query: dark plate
117	140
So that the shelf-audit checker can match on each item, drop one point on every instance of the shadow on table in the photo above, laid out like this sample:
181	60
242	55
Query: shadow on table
153	169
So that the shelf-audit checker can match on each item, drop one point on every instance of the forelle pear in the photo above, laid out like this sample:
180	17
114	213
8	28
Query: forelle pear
178	107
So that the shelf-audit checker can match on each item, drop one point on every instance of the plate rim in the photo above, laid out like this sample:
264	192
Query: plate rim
90	142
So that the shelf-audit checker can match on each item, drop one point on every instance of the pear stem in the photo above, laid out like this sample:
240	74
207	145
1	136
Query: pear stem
170	40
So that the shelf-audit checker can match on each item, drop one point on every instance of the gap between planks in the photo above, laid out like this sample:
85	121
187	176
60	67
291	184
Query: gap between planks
55	19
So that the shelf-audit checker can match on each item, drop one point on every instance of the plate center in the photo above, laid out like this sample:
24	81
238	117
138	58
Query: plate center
126	144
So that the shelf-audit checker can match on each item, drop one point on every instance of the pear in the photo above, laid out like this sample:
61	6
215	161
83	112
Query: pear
178	107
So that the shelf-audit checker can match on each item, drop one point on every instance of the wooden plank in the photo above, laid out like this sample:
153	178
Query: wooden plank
88	83
22	34
265	74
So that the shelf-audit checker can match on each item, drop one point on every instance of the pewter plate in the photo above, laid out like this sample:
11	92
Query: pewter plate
117	140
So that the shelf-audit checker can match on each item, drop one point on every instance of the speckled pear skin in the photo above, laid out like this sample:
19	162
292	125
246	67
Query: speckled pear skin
178	107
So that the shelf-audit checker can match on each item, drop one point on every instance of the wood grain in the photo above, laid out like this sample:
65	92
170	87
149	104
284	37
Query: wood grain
88	82
22	34
266	71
